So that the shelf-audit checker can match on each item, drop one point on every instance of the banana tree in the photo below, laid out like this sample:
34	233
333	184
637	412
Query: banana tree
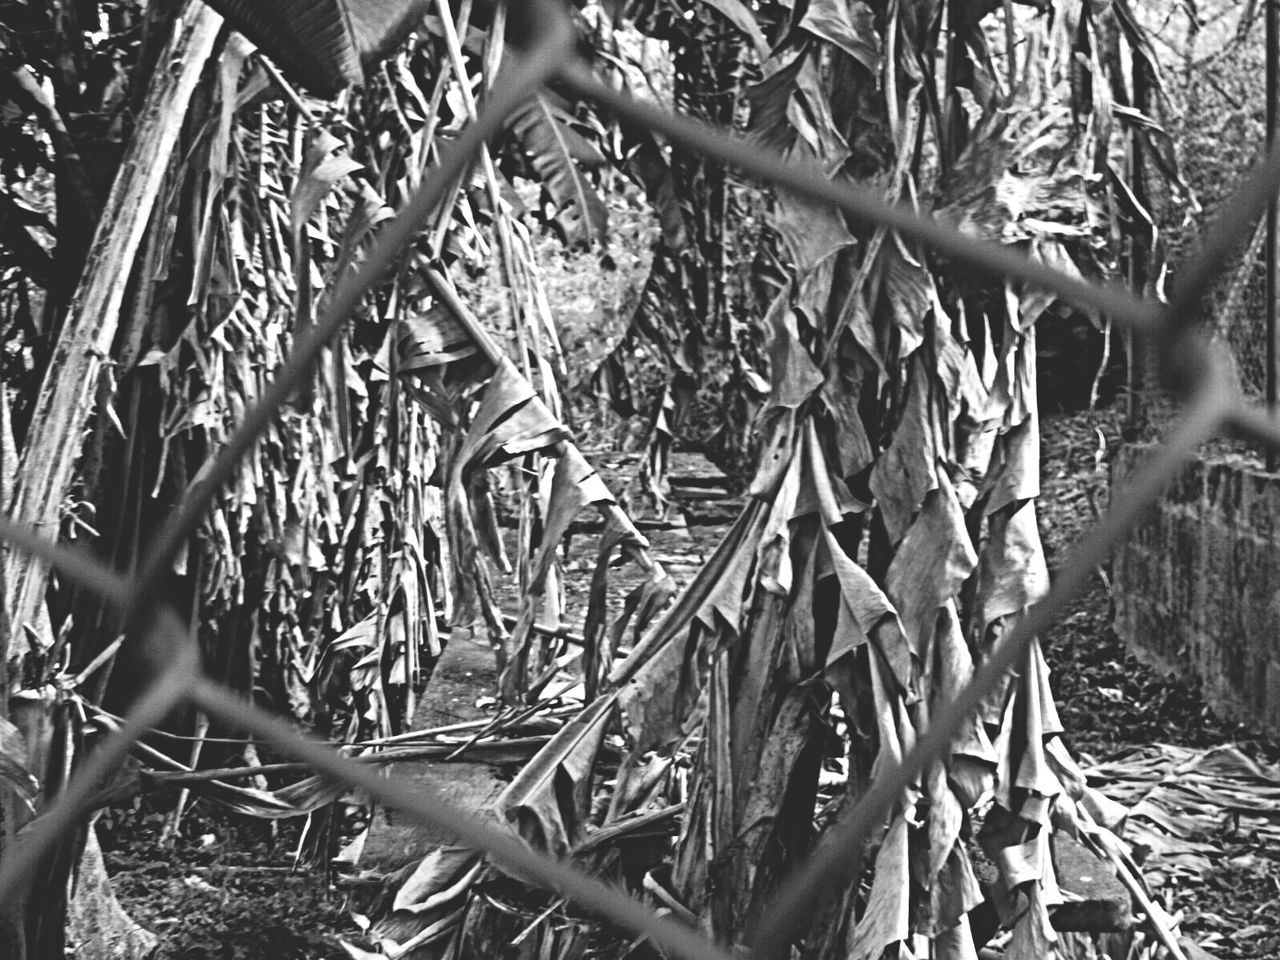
898	536
891	534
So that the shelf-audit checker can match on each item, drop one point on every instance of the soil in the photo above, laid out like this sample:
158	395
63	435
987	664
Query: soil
225	889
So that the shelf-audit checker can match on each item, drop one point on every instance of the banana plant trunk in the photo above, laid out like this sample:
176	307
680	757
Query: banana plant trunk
36	490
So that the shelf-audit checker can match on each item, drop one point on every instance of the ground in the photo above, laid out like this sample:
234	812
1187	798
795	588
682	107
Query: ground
1109	701
226	890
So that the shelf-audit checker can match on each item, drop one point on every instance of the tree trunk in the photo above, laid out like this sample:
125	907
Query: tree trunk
65	403
34	493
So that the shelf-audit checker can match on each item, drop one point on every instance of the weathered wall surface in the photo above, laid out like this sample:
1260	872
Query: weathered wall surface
1197	584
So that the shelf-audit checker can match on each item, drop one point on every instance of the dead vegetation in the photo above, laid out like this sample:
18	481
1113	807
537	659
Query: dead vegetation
338	542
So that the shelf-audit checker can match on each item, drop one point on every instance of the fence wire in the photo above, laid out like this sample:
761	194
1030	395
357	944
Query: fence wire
1191	368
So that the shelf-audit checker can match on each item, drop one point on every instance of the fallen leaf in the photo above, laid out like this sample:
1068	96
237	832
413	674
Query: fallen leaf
551	795
441	876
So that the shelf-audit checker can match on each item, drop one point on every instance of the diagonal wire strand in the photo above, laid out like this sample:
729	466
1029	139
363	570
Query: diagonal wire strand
1223	241
76	565
825	867
1255	423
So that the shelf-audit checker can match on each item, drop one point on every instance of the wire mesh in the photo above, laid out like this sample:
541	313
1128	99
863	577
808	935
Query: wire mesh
1191	368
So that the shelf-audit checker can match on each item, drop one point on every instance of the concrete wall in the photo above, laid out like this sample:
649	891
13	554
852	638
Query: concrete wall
1198	584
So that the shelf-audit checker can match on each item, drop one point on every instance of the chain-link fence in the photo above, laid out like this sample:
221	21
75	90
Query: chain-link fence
1192	368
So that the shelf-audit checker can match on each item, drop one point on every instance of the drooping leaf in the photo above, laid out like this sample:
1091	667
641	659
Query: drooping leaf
600	643
663	678
325	45
1160	148
907	471
840	395
1014	472
886	919
574	484
325	165
640	609
773	567
865	614
310	39
793	377
770	101
558	153
856	319
370	210
512	420
950	874
378	28
959	378
822	490
433	339
1026	780
809	112
971	768
1014	573
909	295
753	744
934	558
218	150
895	728
850	25
1032	301
811	231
